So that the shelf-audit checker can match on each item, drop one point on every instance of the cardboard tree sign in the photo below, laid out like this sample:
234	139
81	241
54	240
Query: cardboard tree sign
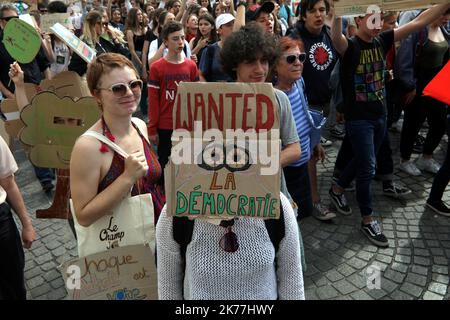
122	273
361	7
21	40
80	48
52	125
225	159
48	20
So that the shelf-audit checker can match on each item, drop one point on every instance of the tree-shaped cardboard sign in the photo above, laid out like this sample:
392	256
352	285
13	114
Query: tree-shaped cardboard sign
21	40
52	125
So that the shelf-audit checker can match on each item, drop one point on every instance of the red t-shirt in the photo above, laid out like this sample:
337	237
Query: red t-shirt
162	89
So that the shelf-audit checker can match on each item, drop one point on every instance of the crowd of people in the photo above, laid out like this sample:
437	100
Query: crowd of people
358	74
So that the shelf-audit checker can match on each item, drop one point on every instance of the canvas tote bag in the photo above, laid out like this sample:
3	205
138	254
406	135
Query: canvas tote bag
131	222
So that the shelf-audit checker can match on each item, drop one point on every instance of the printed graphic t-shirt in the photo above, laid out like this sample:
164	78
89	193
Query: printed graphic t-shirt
362	75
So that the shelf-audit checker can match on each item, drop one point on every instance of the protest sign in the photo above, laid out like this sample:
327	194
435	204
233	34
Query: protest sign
21	40
123	273
225	152
361	7
48	20
12	124
438	87
52	125
80	48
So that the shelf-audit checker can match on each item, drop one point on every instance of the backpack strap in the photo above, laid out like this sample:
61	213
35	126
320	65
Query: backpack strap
182	234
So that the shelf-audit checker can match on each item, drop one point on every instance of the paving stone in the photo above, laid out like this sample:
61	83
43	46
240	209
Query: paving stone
440	269
326	292
349	254
387	252
44	258
411	289
31	273
53	245
394	276
419	270
402	258
357	280
419	244
388	285
57	294
319	280
346	270
437	252
377	294
416	279
48	266
433	243
440	260
365	255
344	287
432	296
403	268
383	258
35	282
360	295
399	295
51	275
40	291
421	252
323	265
422	261
334	276
404	251
311	295
438	288
57	283
356	263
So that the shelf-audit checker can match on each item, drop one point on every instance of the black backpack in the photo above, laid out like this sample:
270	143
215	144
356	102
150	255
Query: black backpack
183	228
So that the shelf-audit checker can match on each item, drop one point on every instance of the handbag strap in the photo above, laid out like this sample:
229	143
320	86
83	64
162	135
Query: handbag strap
301	92
106	141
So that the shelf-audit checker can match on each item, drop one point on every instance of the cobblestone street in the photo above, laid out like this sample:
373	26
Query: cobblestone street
415	266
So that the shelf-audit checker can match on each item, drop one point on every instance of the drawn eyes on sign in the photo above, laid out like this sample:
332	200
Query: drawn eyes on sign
216	156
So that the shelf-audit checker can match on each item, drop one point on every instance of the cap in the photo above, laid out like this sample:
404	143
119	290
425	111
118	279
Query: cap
222	19
254	12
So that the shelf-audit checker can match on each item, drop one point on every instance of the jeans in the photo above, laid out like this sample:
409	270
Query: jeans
297	181
44	175
12	261
366	137
442	178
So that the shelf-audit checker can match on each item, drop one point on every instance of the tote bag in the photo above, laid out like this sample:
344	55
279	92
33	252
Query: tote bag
129	223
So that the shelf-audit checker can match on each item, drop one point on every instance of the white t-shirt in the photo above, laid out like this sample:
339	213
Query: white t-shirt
7	166
62	58
154	47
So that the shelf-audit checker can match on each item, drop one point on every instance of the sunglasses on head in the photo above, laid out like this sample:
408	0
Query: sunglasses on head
120	89
9	18
228	242
292	57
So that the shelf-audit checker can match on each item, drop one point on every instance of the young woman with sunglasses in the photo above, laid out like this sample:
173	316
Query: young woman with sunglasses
95	25
288	78
236	258
99	177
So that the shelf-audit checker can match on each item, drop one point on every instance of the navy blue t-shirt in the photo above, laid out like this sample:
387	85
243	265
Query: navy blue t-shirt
210	65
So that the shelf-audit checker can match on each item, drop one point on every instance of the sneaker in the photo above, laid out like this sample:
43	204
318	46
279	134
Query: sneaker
374	234
429	165
439	208
323	213
351	187
337	133
340	203
410	168
395	191
325	142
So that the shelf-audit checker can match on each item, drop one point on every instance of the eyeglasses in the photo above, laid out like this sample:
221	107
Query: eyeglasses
120	89
9	18
228	242
292	57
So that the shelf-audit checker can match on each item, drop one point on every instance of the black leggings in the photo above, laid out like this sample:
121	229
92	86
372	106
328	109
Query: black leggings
415	114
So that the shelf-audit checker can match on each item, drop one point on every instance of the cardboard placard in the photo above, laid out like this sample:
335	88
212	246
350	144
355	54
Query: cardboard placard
123	273
80	48
12	124
53	124
48	20
223	136
21	40
362	7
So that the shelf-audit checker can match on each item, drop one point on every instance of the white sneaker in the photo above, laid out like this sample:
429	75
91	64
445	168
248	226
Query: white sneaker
429	165
323	213
410	168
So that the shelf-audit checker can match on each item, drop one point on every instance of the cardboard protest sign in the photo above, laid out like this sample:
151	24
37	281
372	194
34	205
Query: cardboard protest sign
12	124
21	40
48	20
438	87
28	18
80	48
52	125
123	273
225	152
361	7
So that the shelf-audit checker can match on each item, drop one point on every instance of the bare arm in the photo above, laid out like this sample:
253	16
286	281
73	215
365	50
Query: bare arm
290	154
180	13
424	19
130	41
5	92
340	42
240	18
16	74
144	59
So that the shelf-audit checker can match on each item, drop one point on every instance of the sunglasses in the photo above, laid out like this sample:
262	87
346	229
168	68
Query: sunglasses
292	57
9	18
228	242
120	89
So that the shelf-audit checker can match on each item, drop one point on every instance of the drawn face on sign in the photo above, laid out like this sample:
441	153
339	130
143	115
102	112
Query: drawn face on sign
53	124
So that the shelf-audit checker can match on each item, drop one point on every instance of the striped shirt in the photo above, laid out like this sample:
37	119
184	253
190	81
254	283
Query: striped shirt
302	123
